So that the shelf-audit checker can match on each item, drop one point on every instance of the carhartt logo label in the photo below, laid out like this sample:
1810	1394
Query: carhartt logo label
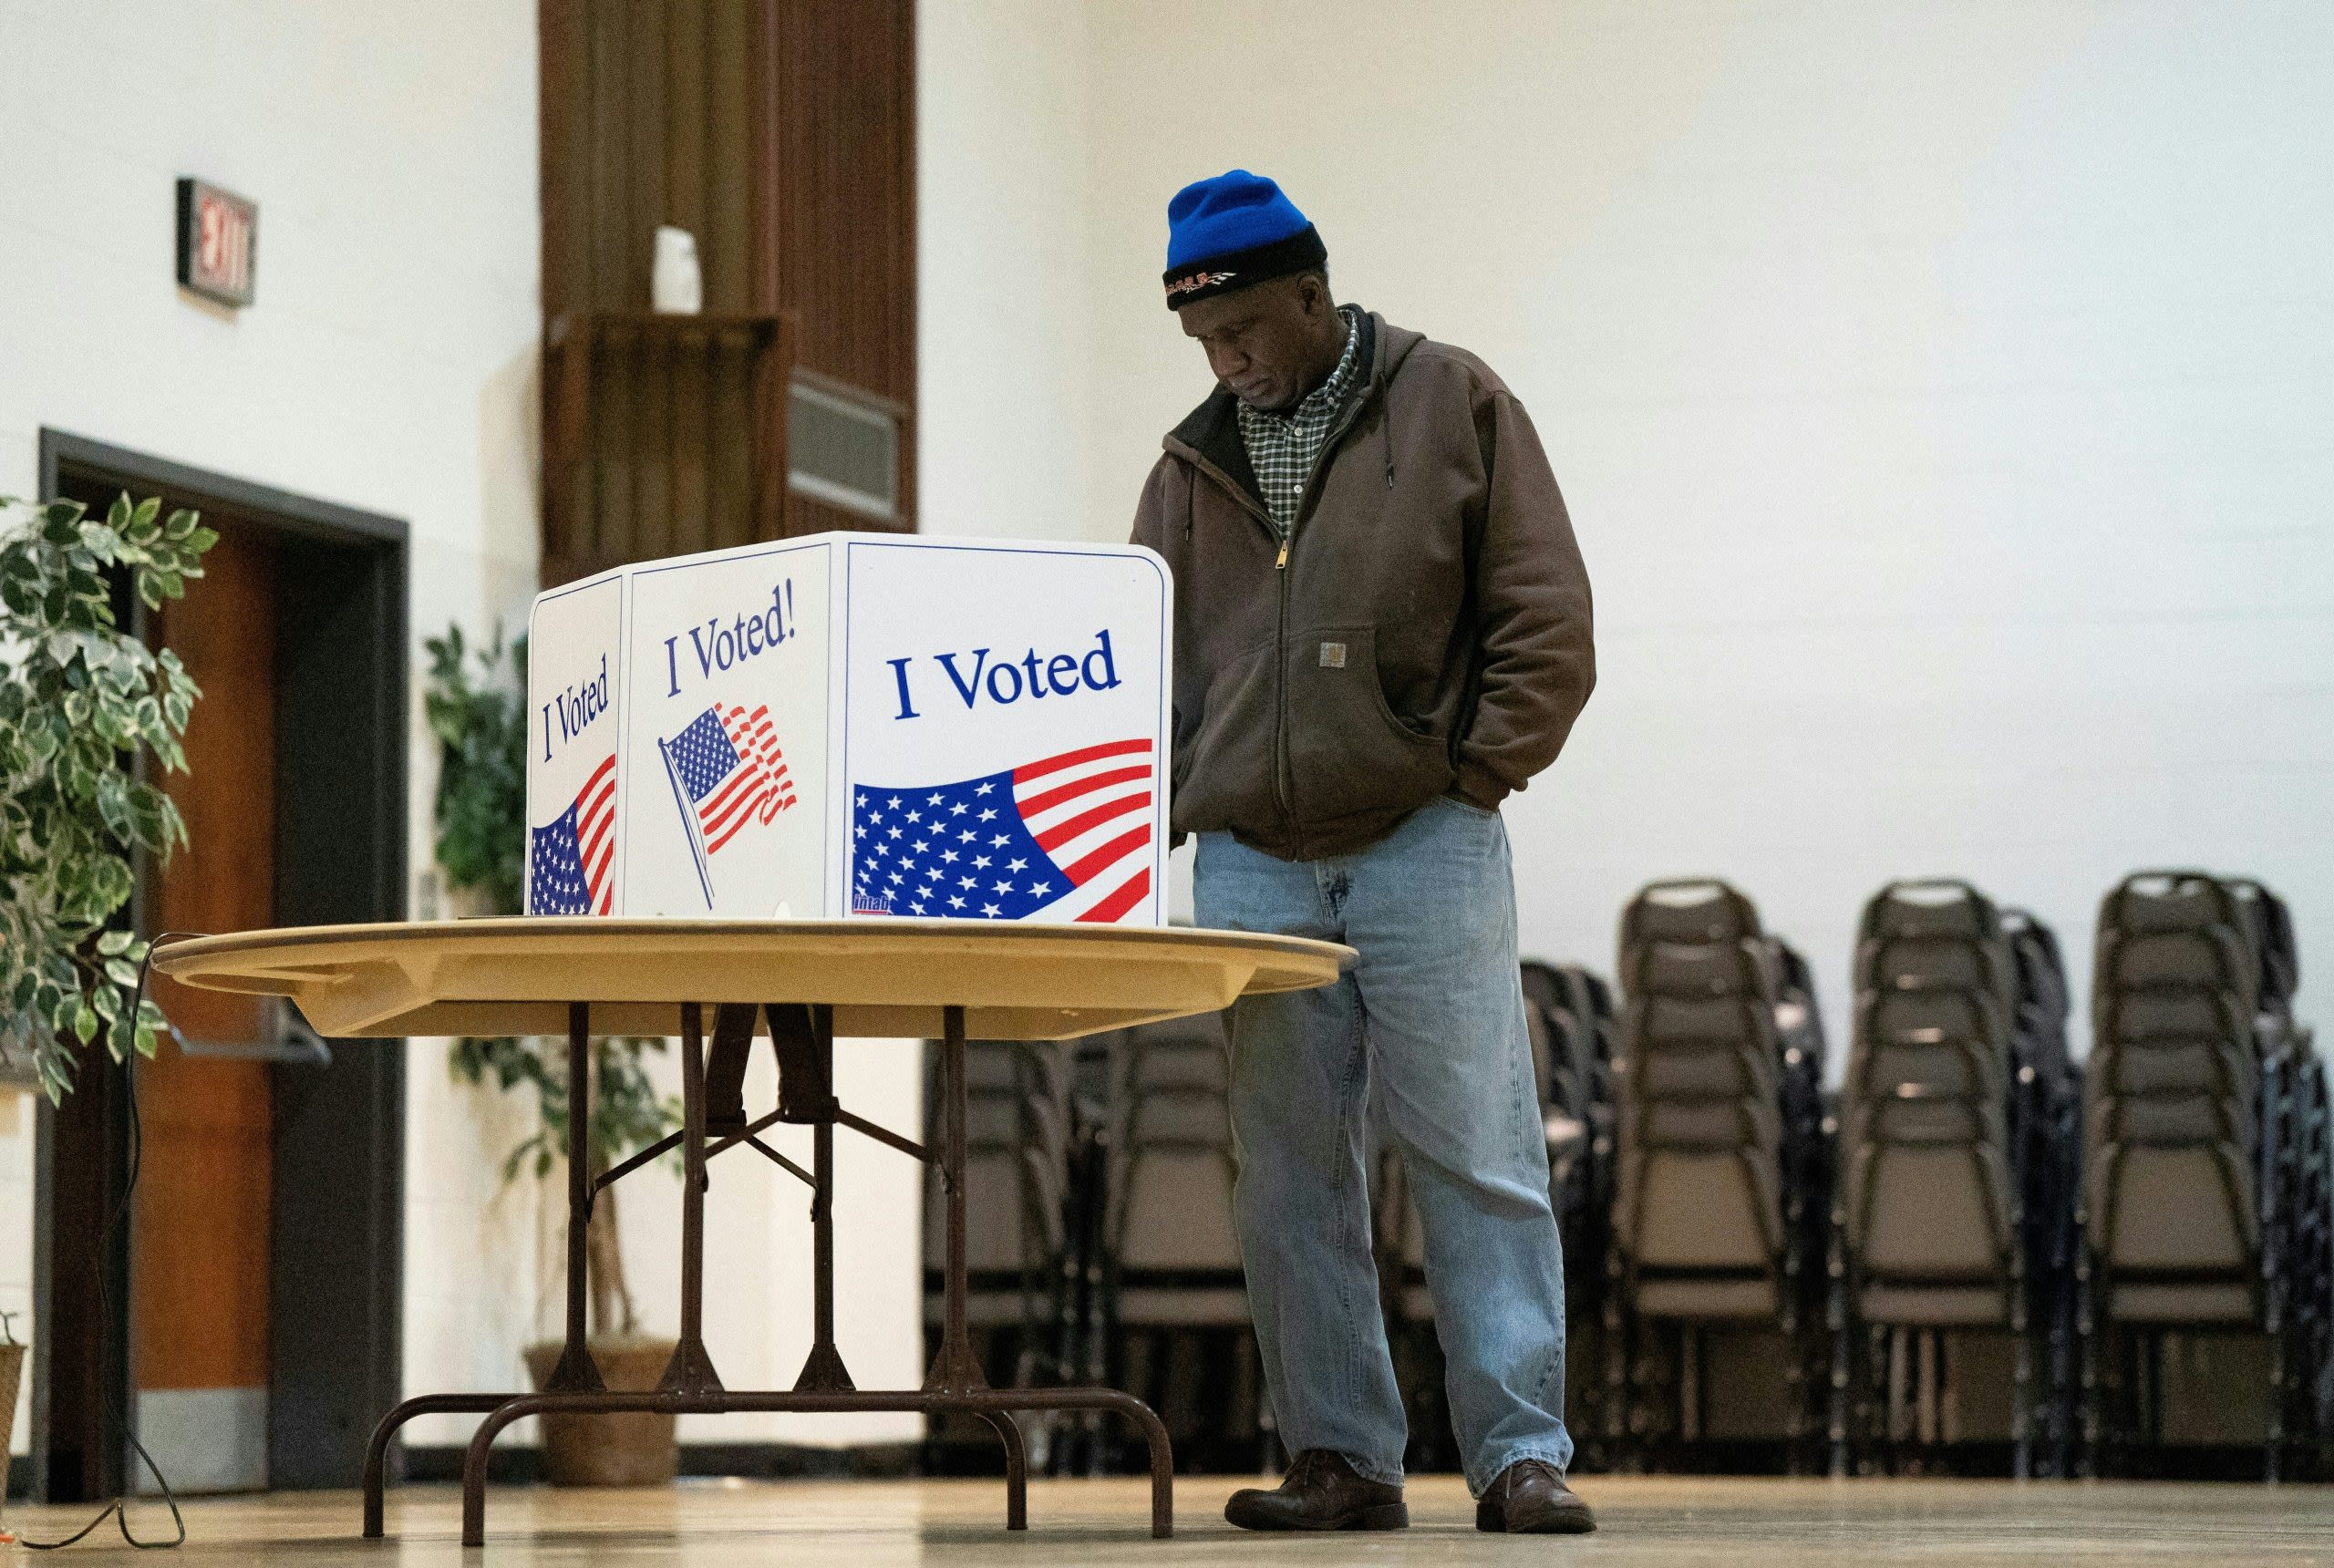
1333	656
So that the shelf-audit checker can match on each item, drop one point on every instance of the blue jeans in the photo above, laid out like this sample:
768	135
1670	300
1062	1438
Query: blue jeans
1433	1012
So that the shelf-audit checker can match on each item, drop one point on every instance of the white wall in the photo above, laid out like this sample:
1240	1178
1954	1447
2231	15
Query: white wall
1005	285
1944	393
388	362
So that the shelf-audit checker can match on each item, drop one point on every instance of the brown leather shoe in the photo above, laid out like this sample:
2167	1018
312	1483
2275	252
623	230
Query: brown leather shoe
1320	1492
1530	1497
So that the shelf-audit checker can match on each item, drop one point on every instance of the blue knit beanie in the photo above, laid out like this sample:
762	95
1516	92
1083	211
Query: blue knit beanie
1234	230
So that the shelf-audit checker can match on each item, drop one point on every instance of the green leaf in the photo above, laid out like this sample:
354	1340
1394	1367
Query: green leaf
87	714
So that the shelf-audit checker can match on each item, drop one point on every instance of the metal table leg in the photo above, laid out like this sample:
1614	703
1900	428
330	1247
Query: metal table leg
691	1370
690	1387
805	1041
955	1369
578	1373
991	1404
1016	1467
377	1448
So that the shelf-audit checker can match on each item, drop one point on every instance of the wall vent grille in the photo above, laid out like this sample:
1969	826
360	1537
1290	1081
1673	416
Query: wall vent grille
843	453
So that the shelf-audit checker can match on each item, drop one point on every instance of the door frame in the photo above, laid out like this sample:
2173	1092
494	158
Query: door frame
336	1233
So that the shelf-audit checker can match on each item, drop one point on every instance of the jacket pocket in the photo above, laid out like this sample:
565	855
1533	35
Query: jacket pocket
1223	767
1349	757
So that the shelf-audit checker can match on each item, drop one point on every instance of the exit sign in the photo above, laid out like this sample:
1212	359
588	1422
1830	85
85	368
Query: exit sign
218	233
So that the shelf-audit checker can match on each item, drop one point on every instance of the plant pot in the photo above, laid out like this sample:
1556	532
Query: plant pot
12	1371
636	1449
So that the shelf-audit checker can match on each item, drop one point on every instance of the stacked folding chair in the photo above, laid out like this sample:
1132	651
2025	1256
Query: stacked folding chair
1568	1016
1021	1267
2051	1101
1954	1198
2203	1101
1722	1172
1577	1108
2313	1254
1168	1317
2308	1208
1570	1012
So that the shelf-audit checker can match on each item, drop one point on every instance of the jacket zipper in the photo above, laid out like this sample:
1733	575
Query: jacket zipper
1283	792
1284	784
1281	796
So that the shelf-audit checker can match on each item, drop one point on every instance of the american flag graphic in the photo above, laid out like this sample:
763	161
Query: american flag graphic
567	871
728	764
726	771
1067	835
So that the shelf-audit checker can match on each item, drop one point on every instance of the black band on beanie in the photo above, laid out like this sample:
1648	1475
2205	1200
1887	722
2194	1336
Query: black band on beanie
1235	270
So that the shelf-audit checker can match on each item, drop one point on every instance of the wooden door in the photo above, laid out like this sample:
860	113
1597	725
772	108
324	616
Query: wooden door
199	1270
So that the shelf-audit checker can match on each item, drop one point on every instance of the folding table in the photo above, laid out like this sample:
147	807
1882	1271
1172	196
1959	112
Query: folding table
803	982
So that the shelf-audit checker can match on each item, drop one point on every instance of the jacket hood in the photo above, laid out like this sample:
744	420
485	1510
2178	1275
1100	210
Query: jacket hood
1213	429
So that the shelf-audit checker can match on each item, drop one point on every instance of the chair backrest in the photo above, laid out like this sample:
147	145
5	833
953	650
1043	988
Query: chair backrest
1171	1164
1799	1021
1571	1014
2271	926
1927	1107
2188	985
1943	907
1700	1132
1017	1157
2043	999
1591	998
1687	909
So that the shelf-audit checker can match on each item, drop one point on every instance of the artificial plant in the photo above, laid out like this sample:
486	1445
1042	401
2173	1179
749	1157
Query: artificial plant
476	706
85	705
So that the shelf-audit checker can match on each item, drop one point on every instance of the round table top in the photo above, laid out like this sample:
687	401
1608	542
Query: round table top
884	978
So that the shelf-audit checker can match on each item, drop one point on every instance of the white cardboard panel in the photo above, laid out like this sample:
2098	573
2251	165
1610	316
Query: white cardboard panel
844	724
730	658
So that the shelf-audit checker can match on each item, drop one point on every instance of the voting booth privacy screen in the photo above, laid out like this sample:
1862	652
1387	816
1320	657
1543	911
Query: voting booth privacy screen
853	724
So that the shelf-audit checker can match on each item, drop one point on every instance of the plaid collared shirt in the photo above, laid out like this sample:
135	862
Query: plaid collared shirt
1282	448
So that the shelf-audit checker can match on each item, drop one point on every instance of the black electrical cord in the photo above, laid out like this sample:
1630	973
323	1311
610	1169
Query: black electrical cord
119	1509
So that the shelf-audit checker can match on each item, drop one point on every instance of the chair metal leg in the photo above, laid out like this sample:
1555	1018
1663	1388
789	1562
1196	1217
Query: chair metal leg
2021	1416
1618	1322
1835	1322
2088	1334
